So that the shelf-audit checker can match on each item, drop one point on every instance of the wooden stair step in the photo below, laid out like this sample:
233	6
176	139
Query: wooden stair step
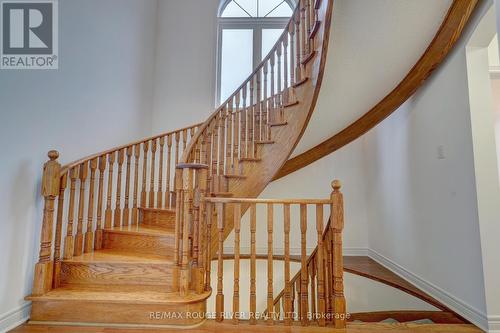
117	268
301	82
232	176
140	239
264	142
164	218
315	29
308	58
116	305
221	194
250	159
278	124
290	104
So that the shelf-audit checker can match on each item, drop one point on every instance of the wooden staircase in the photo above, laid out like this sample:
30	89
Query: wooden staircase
131	239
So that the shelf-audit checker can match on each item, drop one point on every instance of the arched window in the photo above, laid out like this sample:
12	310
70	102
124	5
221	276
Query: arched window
247	31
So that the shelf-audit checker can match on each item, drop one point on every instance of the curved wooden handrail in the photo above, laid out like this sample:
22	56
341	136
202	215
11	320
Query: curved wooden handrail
446	38
203	127
75	163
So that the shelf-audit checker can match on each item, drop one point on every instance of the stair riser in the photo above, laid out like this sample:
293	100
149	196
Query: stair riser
164	219
116	274
147	244
115	313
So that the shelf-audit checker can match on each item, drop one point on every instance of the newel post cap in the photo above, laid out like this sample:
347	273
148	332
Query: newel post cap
51	175
53	155
336	185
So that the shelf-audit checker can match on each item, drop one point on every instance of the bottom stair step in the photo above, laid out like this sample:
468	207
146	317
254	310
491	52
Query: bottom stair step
118	305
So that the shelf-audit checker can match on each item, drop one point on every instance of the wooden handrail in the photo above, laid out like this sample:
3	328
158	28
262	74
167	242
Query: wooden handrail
251	76
88	158
272	201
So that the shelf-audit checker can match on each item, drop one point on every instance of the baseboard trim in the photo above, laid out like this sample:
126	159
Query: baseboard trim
494	324
15	317
467	311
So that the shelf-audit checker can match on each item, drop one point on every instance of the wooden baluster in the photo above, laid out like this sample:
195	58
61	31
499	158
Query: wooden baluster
200	227
236	288
304	298
299	298
69	241
251	122
109	192
145	149
100	198
89	235
236	151
288	306
209	152
320	264
308	21
126	209
291	30
229	140
244	120
168	202
187	194
267	129
270	299
184	139
177	140
58	235
178	229
329	277
259	106
285	97
159	199
118	202
81	209
50	189
222	139
152	175
208	252
273	93
253	264
314	17
219	300
137	155
279	95
337	225
303	29
215	152
312	274
292	300
298	50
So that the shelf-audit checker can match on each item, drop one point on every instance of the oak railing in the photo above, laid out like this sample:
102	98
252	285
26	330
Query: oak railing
244	120
320	297
104	190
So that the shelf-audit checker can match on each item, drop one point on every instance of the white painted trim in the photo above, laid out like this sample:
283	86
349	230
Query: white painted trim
15	317
495	72
469	312
494	324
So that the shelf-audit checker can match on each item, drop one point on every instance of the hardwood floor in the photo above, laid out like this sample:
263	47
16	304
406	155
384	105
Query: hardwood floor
211	326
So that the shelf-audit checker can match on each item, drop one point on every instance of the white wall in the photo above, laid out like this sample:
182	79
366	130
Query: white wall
98	98
423	213
185	63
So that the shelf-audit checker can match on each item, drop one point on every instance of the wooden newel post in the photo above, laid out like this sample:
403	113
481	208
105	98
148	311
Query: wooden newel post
50	190
191	186
337	226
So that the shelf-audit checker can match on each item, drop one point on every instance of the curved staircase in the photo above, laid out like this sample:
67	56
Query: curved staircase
127	234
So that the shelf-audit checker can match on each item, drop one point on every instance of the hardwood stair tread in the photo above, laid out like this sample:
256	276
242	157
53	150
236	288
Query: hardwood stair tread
168	210
264	142
250	159
117	294
146	230
232	176
119	256
221	194
276	124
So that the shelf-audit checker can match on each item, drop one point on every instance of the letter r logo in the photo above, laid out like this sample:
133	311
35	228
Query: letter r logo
27	27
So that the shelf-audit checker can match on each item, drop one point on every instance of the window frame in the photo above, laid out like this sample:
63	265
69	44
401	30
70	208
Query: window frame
257	24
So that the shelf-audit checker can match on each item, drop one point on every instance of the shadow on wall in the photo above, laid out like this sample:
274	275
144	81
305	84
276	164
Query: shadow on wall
21	254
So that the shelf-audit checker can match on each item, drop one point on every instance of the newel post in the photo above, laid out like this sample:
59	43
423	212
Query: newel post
337	226
50	190
190	187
